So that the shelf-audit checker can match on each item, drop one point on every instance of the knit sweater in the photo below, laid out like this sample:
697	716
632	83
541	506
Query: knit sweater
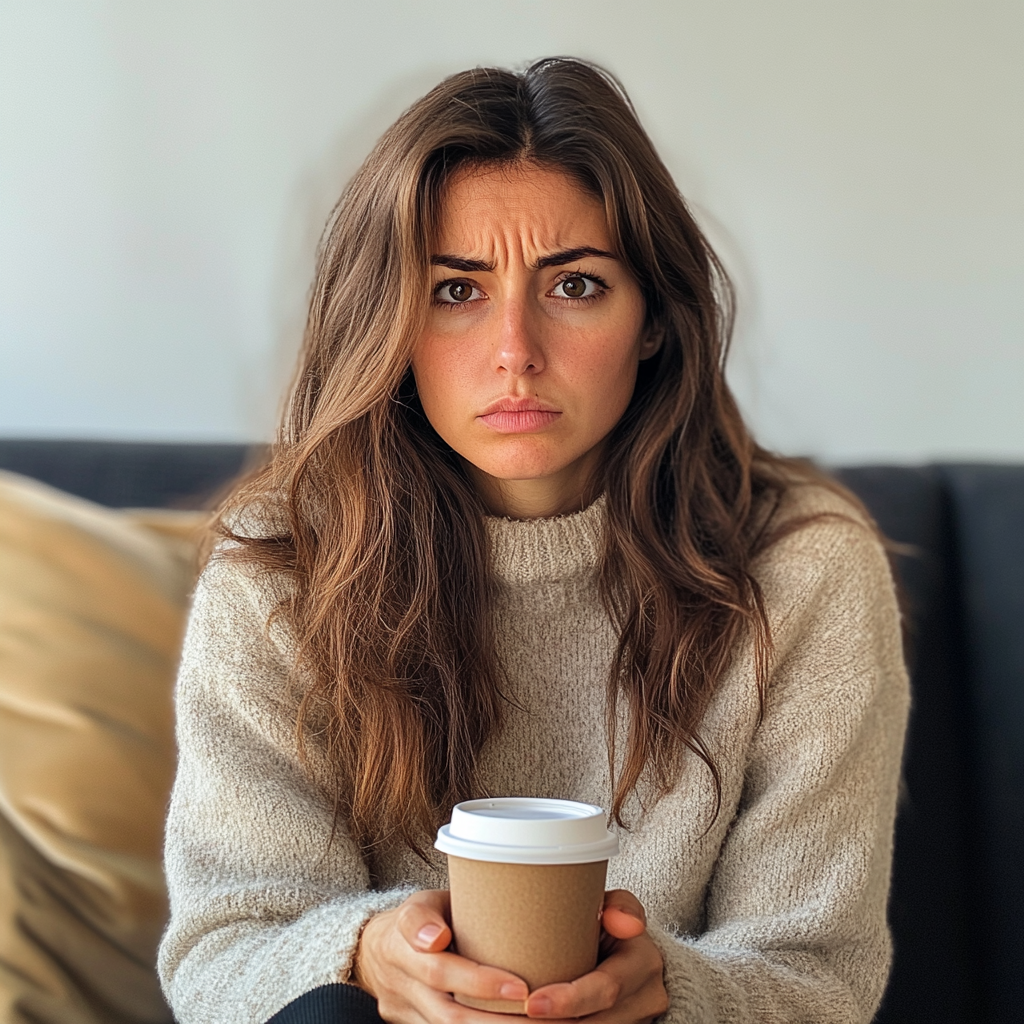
772	911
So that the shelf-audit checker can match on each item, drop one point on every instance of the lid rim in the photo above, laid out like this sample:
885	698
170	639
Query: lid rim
528	830
569	853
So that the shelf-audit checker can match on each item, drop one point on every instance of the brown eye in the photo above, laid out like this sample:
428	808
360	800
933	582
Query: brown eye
574	287
459	291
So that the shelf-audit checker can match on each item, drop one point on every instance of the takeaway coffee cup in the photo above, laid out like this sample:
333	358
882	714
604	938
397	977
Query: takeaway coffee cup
527	879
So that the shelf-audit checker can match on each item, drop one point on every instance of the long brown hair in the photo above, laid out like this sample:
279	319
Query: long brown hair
382	536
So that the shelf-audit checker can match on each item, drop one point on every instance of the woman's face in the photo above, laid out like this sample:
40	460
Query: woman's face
530	352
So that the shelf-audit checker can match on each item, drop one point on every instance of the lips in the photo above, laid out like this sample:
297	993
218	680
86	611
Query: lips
519	415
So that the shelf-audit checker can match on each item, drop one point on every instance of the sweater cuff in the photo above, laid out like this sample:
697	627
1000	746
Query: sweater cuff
332	929
354	922
265	966
698	991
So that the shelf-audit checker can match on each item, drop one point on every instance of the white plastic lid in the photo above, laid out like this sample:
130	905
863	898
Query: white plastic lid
528	830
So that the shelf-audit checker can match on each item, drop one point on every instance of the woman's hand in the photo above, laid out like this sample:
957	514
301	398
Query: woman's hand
626	987
402	962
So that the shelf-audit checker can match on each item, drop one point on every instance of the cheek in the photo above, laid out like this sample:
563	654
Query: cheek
441	382
601	368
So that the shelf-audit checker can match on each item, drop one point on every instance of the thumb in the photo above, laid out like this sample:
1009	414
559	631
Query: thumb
623	916
422	921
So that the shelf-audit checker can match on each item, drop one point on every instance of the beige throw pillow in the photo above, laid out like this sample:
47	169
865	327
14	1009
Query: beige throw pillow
92	609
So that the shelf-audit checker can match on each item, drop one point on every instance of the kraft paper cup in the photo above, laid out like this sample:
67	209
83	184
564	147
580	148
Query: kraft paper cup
527	879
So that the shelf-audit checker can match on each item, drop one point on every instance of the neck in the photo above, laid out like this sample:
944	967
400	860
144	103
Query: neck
570	490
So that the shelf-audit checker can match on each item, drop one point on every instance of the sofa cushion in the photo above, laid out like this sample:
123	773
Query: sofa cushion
92	608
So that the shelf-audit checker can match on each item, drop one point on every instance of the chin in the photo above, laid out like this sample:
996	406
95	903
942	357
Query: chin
523	459
514	472
519	468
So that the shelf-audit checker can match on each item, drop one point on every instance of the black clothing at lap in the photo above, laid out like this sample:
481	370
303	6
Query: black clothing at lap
330	1004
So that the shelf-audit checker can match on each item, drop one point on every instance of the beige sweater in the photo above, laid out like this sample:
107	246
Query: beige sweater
775	914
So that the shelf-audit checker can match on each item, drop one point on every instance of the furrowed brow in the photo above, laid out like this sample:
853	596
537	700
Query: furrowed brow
559	259
461	263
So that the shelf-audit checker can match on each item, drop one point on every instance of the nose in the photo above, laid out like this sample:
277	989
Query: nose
518	349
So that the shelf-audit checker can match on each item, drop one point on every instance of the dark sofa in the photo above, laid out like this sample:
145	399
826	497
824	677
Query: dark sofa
957	906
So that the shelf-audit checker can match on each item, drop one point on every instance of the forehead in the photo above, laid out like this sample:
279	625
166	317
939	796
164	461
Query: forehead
537	208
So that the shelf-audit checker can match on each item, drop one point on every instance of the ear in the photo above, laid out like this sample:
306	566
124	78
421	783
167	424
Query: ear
650	344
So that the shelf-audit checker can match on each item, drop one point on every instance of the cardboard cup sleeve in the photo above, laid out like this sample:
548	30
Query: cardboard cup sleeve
542	922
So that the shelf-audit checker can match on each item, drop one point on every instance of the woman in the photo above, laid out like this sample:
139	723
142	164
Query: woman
515	539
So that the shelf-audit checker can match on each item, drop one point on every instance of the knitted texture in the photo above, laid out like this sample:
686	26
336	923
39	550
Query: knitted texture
772	911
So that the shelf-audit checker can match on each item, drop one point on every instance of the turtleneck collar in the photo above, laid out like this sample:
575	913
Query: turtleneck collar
547	550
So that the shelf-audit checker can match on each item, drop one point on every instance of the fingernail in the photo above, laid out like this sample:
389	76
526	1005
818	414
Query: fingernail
428	933
513	990
540	1006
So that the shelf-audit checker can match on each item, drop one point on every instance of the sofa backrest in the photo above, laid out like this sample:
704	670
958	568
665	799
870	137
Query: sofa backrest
987	510
957	904
936	969
130	474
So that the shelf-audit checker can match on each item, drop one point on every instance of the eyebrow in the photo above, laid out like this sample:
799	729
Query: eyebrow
559	259
461	263
555	259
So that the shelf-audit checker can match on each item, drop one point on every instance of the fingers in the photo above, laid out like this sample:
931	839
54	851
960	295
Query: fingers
438	1008
414	1002
631	975
623	916
590	994
627	968
419	1004
448	972
422	923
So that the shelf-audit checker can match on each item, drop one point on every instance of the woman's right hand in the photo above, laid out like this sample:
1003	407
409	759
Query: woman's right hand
402	961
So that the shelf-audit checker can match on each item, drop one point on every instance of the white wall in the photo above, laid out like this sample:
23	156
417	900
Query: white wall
166	167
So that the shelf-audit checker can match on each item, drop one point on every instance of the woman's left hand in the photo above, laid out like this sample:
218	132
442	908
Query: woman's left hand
626	987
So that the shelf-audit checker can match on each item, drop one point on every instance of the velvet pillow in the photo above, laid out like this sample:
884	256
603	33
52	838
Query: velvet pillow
92	609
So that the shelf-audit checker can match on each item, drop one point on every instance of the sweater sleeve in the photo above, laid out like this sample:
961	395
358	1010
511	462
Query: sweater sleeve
263	909
795	925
